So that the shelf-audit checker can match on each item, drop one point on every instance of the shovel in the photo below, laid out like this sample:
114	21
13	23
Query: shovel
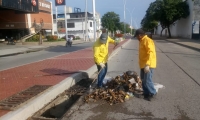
98	73
94	79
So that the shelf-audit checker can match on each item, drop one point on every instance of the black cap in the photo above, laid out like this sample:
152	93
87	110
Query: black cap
103	38
138	32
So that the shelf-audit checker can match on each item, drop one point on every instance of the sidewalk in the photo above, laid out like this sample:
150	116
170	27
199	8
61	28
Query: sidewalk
8	50
189	43
56	72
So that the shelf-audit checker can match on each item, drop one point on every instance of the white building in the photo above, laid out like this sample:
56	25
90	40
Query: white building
184	27
76	24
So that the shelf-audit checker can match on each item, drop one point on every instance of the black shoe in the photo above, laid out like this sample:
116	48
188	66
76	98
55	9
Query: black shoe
150	97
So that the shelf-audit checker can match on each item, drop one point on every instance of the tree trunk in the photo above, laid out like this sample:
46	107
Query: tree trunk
161	32
169	32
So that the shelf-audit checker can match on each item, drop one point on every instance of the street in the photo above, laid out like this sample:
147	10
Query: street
22	59
177	69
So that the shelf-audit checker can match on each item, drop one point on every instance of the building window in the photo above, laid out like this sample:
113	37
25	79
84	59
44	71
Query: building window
70	25
90	24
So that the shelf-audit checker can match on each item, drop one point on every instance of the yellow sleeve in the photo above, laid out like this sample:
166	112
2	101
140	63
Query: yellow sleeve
110	40
149	48
96	54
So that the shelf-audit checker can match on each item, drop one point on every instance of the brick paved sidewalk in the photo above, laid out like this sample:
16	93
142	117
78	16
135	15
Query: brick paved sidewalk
47	72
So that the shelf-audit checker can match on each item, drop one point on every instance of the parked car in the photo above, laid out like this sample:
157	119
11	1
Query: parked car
149	34
69	37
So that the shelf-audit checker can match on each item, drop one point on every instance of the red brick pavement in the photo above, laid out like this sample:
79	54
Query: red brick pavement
45	72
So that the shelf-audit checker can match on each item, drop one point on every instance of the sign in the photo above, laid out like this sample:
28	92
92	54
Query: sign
45	5
59	2
34	3
28	6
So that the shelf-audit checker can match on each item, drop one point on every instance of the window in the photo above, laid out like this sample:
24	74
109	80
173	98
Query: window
70	25
90	24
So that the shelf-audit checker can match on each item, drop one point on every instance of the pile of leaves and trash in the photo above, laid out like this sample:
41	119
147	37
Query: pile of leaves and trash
117	90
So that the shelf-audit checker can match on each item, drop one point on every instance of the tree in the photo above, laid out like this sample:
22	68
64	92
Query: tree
149	21
167	12
127	27
111	21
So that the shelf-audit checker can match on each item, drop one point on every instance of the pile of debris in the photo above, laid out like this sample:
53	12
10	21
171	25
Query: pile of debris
117	90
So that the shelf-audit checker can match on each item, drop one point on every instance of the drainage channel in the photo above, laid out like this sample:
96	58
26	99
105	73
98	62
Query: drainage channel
57	108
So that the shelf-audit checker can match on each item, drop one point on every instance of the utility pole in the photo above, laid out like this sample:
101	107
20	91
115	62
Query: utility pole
124	16
66	33
57	20
82	26
94	19
86	20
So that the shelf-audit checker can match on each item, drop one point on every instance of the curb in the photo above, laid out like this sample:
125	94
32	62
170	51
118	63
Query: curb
34	50
193	48
23	52
35	104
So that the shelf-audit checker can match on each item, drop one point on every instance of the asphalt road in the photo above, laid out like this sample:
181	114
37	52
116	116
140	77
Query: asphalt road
177	69
22	59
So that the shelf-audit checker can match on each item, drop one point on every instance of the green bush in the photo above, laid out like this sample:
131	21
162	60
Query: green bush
77	38
34	38
52	37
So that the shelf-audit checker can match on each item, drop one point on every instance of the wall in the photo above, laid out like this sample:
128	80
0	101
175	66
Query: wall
44	15
182	27
10	20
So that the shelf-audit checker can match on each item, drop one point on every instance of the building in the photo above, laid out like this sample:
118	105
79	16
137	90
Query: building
24	17
186	28
76	24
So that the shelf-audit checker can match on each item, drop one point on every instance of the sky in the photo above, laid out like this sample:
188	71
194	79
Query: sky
135	8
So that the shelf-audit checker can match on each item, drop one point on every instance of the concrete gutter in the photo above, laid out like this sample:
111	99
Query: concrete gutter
35	104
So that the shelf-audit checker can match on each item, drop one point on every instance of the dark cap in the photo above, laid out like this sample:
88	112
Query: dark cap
103	38
139	32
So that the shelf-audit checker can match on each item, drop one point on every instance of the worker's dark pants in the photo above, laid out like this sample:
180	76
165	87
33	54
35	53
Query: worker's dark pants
147	82
102	74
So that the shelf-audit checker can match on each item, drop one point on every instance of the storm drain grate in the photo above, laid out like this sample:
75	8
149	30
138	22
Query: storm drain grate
76	90
18	99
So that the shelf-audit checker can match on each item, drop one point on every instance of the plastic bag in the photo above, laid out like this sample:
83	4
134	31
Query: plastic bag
106	79
157	86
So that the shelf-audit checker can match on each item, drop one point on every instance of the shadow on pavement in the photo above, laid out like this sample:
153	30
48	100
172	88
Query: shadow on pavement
55	71
62	48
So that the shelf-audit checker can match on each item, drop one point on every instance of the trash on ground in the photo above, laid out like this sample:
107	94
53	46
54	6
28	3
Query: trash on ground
157	86
117	90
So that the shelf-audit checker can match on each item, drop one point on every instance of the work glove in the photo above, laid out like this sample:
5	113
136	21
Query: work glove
102	65
146	69
116	43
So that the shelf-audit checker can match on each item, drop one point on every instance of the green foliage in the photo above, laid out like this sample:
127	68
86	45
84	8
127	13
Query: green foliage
34	38
52	37
77	38
127	27
110	20
167	12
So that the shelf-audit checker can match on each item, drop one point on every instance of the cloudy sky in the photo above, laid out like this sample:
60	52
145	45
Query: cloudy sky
136	8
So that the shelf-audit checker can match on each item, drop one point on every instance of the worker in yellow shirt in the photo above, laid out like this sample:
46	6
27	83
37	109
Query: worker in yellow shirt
100	49
147	63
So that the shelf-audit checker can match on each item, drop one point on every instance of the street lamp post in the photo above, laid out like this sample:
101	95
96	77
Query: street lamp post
94	21
124	1
131	13
86	21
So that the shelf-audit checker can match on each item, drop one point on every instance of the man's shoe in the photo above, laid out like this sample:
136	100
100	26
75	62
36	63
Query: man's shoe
150	97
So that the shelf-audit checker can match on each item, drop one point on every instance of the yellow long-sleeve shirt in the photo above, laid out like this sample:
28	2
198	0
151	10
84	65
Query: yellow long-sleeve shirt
147	52
101	51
